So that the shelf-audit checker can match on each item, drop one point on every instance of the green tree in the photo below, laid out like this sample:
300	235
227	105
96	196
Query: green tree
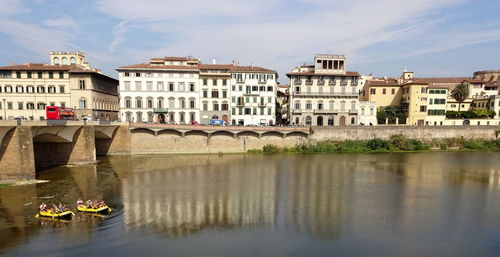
391	113
460	93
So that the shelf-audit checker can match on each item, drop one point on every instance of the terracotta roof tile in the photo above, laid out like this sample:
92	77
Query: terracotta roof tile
310	73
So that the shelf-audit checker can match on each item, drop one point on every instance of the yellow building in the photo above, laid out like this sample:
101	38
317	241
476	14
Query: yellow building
385	92
25	90
414	102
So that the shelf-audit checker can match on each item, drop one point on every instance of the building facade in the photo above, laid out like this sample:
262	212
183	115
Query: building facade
324	94
25	90
253	95
165	90
182	90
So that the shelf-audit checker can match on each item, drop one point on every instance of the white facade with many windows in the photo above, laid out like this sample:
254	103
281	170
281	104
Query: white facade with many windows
166	90
253	96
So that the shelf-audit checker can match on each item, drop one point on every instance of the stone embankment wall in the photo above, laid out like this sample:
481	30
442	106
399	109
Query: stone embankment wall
145	141
416	132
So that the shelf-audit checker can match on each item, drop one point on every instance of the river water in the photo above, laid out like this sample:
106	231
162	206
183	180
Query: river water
395	204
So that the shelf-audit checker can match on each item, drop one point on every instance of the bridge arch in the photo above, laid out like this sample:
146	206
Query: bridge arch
196	133
222	133
170	132
55	134
273	134
248	133
142	130
297	134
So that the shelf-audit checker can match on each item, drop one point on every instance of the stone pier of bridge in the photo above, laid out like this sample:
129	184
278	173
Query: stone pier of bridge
28	145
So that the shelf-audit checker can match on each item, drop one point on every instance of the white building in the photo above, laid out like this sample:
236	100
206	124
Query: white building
326	94
253	95
165	90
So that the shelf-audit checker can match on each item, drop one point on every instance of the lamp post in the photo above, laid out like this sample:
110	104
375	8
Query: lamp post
4	110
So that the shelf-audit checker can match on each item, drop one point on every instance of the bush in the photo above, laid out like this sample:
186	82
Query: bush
404	144
270	149
378	144
443	146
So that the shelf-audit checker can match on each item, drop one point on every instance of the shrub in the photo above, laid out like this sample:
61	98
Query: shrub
270	149
378	144
443	146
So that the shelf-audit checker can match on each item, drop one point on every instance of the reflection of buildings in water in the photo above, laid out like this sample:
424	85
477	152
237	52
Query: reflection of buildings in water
225	192
319	195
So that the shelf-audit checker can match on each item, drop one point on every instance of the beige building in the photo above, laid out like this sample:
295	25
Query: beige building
25	90
324	94
414	102
215	92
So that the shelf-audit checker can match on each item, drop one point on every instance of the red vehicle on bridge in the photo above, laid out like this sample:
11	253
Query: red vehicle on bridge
59	113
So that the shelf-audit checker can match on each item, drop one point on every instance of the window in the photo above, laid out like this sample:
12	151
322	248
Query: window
215	94
215	106
20	106
56	61
182	103
63	104
423	108
159	86
269	88
40	106
61	75
9	106
127	74
51	75
52	104
128	103
383	91
61	89
29	74
269	111
72	60
393	91
297	105
18	74
205	82
137	74
30	106
150	103
8	89
149	85
19	89
51	89
191	87
83	103
205	106
64	60
138	103
82	84
181	117
205	93
40	74
224	94
40	89
171	103
138	86
373	91
308	106
224	107
171	87
192	104
182	87
224	82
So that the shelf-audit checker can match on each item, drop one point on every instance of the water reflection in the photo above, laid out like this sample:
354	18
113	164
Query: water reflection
410	199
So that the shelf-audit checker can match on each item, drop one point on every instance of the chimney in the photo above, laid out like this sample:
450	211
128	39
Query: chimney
214	61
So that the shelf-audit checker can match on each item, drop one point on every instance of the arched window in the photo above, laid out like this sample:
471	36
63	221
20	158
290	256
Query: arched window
64	61
83	103
308	105
353	121
320	105
139	116
56	61
353	105
128	116
342	106
319	121
72	60
297	121
362	110
371	111
330	121
308	120
138	102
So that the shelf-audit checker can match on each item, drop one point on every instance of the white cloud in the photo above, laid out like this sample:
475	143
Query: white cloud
63	23
270	33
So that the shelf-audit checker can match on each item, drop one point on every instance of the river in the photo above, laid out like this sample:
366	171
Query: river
391	204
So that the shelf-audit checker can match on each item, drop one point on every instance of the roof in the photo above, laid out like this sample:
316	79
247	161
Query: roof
475	81
47	67
385	82
309	73
39	67
173	58
201	66
441	80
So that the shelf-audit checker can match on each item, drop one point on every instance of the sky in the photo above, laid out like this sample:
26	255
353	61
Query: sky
438	38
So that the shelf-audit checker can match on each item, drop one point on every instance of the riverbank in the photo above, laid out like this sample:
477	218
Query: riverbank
396	143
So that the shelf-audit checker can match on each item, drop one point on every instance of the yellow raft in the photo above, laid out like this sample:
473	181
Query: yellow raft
104	209
62	215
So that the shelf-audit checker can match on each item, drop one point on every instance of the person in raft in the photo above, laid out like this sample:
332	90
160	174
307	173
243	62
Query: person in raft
79	202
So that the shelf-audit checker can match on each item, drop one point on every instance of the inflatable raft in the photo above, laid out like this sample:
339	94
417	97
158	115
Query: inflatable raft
102	210
62	215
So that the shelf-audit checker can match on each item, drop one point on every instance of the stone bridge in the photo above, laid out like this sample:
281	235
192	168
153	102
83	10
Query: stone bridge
28	144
